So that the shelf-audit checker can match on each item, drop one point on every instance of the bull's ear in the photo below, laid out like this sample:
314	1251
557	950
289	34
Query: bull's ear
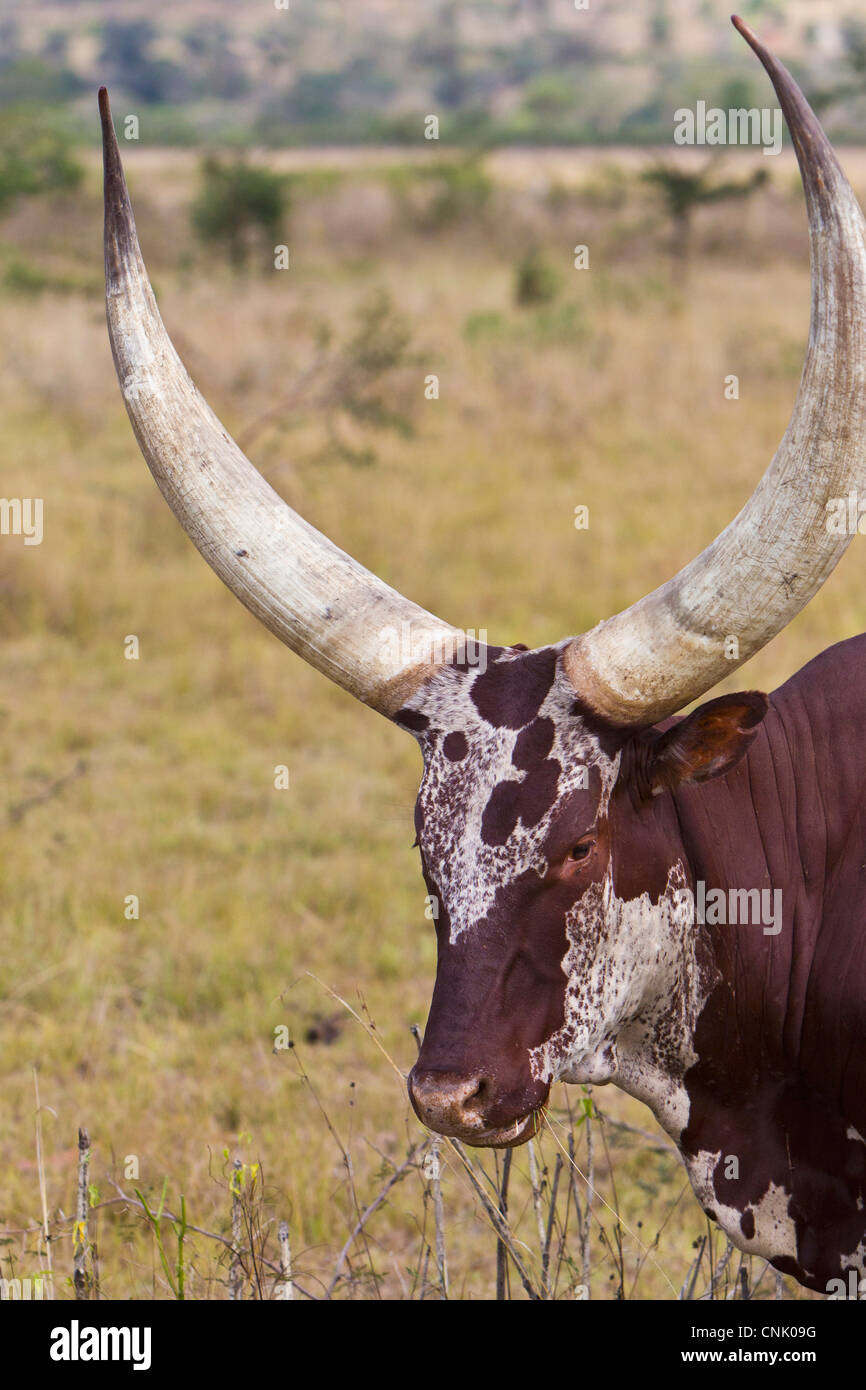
708	742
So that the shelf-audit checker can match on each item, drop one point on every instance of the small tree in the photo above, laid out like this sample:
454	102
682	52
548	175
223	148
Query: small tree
369	380
535	282
238	205
682	192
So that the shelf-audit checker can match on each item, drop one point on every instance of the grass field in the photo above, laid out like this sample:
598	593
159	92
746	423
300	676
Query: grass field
155	777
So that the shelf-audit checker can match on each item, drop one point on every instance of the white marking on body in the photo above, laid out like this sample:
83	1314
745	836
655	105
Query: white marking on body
775	1232
857	1258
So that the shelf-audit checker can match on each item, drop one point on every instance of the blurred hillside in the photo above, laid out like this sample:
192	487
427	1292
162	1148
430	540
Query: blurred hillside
493	71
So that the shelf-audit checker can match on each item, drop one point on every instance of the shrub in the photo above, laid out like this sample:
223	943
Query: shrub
238	205
536	282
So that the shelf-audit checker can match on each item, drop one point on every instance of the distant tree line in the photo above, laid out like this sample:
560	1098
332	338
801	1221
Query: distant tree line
528	77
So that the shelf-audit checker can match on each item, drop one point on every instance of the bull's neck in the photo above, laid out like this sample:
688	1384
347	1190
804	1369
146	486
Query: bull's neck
652	883
738	840
775	850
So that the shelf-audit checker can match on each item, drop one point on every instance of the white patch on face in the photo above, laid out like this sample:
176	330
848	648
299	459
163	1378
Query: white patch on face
775	1232
632	999
453	796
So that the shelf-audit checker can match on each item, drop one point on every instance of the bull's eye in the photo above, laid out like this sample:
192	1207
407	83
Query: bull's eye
582	849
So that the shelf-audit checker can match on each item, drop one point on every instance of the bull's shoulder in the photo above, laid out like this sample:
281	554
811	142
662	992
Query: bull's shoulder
834	680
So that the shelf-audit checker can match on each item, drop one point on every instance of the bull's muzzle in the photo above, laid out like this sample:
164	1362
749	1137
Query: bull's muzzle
465	1107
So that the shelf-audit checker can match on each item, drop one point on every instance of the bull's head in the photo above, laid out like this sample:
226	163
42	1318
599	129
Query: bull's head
545	848
547	854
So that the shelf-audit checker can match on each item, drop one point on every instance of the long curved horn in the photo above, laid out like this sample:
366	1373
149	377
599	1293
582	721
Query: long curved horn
319	601
670	647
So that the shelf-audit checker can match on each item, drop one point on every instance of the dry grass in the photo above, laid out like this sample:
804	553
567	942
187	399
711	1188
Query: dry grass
157	1034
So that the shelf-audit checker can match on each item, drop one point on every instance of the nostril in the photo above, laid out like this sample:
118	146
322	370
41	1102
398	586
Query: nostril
477	1097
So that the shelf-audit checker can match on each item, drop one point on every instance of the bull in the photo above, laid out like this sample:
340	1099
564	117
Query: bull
586	845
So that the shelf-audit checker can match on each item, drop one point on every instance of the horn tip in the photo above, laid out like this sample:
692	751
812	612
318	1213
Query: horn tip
747	32
105	112
120	238
115	184
110	152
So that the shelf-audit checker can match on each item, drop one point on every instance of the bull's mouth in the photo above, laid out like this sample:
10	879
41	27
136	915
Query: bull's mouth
507	1136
